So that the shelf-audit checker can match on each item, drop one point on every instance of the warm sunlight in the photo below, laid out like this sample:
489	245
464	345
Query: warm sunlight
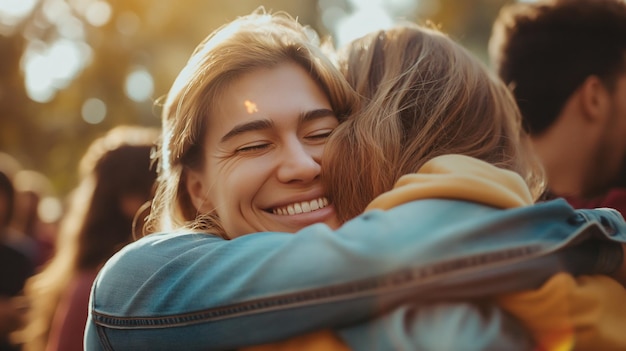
94	111
12	11
139	85
51	67
250	107
362	16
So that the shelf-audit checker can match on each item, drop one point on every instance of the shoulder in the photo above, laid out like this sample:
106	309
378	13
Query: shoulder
148	266
163	245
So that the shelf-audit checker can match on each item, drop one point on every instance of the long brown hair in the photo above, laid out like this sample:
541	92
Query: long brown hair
95	226
422	95
258	40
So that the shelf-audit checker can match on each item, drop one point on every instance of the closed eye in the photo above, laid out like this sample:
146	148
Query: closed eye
252	148
322	134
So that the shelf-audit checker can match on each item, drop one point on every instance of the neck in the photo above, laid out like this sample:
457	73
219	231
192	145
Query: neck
565	150
561	167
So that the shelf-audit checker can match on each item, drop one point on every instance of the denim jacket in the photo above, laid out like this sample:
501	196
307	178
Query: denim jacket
197	291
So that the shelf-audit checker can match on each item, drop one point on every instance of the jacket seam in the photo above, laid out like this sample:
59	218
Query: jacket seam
332	293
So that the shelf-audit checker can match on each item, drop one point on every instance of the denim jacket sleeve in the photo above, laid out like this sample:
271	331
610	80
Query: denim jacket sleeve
197	291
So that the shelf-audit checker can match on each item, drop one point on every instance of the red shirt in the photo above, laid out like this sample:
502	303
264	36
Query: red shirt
615	198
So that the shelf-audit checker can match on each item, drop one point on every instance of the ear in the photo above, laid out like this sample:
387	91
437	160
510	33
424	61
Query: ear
595	99
198	192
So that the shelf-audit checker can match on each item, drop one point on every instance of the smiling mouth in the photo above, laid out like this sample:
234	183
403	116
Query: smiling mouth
301	207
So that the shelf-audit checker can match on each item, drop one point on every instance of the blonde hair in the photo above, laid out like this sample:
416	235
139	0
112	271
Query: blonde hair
422	95
95	226
258	40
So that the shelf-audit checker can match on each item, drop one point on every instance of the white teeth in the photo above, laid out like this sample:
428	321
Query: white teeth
315	205
301	207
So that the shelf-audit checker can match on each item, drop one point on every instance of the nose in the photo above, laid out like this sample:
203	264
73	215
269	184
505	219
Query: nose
299	163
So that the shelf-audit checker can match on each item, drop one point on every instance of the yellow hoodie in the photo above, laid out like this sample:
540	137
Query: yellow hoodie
566	313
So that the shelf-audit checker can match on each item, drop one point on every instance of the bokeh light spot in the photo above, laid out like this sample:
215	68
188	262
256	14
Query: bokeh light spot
94	110
54	10
139	85
13	11
98	13
50	67
38	78
49	209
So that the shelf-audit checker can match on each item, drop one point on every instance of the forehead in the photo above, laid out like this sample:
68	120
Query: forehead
278	93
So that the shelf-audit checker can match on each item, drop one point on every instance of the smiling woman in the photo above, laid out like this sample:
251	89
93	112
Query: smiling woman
261	169
244	130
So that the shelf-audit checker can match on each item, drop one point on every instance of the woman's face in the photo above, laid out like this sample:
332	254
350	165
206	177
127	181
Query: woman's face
264	141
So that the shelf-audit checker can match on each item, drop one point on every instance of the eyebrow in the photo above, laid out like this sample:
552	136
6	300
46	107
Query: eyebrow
261	124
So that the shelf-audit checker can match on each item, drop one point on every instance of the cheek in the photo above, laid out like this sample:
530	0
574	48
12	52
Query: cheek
237	183
236	196
316	152
619	129
610	156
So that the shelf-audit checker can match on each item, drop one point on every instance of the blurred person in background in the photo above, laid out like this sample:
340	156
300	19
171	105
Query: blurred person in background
9	165
35	231
565	61
116	181
15	268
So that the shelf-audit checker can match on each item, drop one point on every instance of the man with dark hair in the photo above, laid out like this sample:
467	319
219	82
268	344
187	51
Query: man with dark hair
565	61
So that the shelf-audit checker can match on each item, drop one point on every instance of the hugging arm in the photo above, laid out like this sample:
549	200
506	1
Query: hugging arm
190	291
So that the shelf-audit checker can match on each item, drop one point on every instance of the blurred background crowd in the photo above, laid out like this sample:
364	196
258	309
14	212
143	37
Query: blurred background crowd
72	69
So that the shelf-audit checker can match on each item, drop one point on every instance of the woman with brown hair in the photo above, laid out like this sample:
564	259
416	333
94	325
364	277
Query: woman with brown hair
422	96
116	180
